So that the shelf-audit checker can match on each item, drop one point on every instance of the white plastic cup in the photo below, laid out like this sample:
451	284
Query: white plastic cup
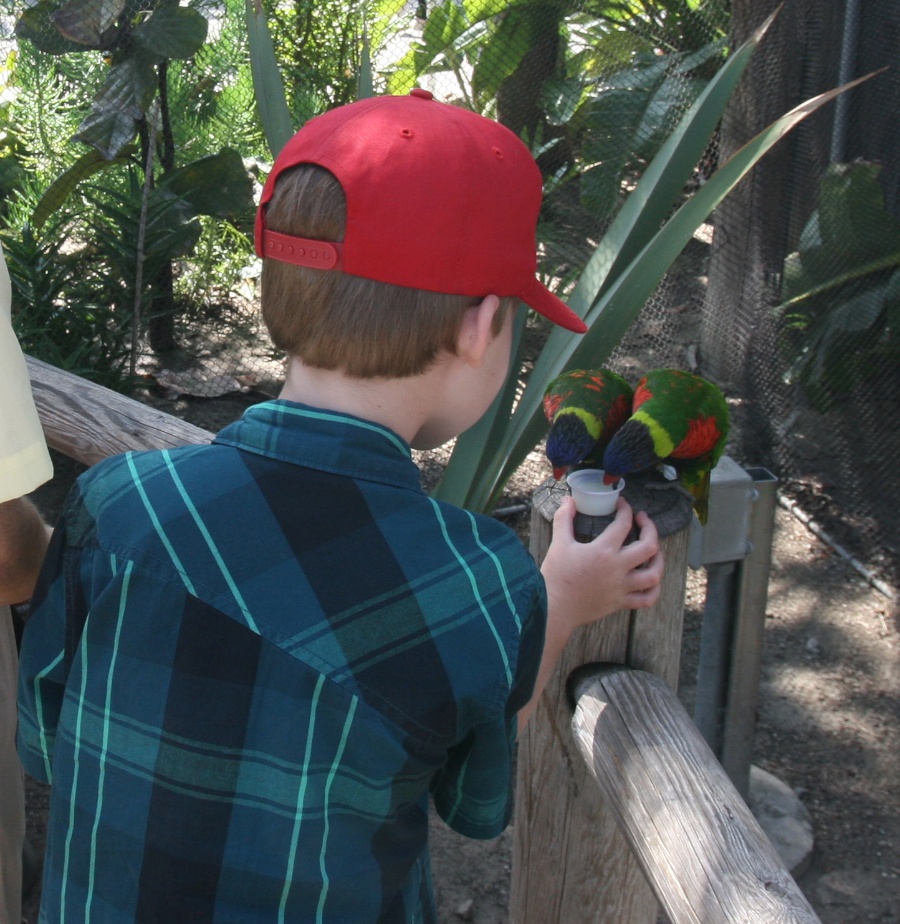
592	497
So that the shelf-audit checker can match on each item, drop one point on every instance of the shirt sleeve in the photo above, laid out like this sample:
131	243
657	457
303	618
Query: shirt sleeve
51	635
473	792
24	459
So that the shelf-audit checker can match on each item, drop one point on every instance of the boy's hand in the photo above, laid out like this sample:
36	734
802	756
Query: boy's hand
589	580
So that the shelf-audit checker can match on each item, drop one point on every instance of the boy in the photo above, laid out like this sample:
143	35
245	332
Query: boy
249	663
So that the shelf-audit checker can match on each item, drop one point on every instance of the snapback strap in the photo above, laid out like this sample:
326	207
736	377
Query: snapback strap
301	251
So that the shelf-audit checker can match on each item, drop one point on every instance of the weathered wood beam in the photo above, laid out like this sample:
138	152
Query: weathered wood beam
89	422
698	845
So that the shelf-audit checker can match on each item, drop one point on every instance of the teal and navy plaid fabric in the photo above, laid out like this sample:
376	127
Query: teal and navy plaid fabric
247	665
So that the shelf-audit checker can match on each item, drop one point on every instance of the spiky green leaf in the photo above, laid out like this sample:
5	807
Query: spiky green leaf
612	291
271	99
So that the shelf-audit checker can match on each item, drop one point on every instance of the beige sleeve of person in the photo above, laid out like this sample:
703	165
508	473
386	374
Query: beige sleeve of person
24	459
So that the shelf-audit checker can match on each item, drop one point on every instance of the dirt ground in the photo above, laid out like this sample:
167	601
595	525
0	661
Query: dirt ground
828	723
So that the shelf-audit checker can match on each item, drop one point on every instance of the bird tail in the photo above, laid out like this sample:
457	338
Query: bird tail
694	474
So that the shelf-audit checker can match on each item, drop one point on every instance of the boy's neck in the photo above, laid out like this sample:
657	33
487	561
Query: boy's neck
428	409
400	404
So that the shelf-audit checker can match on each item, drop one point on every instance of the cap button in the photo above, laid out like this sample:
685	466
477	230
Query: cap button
421	94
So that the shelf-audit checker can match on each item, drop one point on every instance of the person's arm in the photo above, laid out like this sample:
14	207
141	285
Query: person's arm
23	542
587	581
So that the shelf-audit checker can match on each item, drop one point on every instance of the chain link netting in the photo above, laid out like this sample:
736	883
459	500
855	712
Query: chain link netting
801	316
133	151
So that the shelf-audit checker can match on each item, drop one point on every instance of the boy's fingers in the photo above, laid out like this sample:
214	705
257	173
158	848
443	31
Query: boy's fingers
648	575
620	528
641	599
564	520
646	526
648	531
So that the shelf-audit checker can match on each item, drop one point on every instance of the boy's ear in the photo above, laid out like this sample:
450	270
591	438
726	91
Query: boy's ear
476	331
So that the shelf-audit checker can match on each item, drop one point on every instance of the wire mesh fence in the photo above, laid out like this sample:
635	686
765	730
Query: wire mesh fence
134	143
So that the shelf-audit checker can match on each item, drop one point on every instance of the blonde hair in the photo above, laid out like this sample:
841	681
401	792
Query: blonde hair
331	320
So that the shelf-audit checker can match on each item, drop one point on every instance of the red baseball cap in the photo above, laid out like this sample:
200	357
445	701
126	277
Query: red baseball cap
438	198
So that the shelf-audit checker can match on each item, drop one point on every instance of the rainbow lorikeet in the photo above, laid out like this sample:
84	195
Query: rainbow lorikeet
677	418
584	408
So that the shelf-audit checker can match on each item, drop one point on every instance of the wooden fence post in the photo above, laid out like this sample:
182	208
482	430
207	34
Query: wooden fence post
571	862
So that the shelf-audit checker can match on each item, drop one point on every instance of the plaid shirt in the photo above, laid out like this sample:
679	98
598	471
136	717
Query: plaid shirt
247	665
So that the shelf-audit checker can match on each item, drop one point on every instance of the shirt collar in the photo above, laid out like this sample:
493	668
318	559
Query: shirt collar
325	440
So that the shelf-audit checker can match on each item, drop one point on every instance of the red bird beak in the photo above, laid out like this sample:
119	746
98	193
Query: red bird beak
559	471
610	479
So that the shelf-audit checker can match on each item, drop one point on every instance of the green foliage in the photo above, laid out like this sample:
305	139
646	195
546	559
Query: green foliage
318	44
480	42
134	39
129	124
668	25
595	88
74	286
637	250
616	125
331	65
65	308
12	175
216	185
217	269
271	97
841	288
47	100
165	223
64	185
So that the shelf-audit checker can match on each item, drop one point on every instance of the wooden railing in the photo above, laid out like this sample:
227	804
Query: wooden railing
701	850
88	422
619	808
622	807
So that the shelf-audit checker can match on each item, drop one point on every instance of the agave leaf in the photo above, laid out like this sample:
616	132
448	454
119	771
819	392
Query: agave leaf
365	87
636	222
651	201
476	444
271	99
